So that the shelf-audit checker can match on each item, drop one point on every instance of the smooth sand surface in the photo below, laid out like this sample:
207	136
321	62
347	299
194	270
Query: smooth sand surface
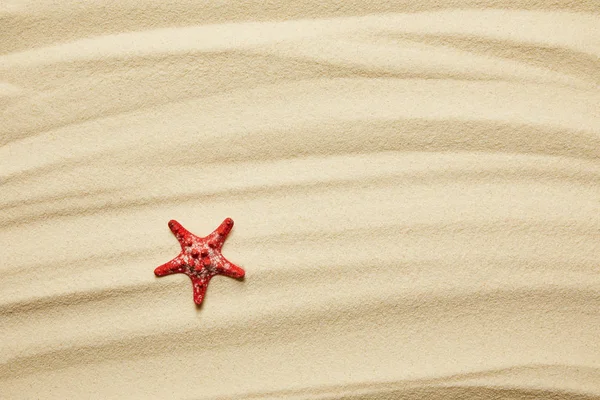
415	187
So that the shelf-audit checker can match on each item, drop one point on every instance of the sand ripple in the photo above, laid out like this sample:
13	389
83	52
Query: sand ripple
415	188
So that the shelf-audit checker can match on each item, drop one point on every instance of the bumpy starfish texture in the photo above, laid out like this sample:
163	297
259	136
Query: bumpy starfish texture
200	257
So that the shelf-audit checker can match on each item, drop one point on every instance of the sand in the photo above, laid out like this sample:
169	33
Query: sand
415	187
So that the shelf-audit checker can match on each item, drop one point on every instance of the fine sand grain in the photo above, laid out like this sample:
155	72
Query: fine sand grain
415	186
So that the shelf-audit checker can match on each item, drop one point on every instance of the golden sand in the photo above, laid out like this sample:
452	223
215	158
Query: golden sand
415	186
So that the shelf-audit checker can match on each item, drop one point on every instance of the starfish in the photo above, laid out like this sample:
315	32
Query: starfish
200	257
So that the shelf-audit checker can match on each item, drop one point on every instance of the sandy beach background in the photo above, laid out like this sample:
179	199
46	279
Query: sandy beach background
415	187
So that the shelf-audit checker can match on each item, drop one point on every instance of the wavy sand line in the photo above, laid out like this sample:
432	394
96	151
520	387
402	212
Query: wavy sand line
415	190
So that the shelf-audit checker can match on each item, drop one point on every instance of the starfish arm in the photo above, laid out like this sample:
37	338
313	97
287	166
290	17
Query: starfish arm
225	227
174	266
218	236
229	269
179	231
199	284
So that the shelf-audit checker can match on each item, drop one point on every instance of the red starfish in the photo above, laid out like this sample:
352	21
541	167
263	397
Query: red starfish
200	257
